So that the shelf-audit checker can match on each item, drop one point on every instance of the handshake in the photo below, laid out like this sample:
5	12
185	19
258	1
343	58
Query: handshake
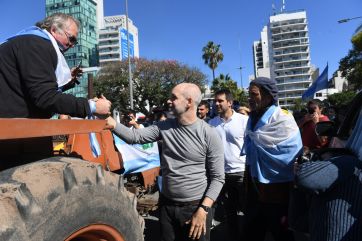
102	107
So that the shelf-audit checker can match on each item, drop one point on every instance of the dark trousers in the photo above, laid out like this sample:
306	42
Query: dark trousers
266	210
172	222
230	201
263	217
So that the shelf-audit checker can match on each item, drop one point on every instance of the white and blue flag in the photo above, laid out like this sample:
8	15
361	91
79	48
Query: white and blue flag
138	157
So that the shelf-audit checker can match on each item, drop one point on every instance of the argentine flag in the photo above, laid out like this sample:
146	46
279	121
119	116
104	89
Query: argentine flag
137	157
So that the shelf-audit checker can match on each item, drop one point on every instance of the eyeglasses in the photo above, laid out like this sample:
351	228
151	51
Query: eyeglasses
71	39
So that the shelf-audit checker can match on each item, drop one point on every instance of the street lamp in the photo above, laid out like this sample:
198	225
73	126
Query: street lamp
348	19
129	62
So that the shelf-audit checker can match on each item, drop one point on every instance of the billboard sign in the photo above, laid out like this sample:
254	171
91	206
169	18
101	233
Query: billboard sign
123	43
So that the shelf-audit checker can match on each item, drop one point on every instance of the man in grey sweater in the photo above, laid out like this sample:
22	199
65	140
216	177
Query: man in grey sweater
192	165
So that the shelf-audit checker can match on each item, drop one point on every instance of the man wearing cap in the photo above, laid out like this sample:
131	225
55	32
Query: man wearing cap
271	145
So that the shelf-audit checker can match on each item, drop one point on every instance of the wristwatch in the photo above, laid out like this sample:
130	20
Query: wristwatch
206	208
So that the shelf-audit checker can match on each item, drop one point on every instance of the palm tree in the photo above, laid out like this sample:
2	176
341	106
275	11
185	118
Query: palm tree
223	82
212	56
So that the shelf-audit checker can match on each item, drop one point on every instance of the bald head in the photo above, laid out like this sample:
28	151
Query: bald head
190	90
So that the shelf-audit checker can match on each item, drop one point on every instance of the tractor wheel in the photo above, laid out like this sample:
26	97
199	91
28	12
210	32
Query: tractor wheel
66	199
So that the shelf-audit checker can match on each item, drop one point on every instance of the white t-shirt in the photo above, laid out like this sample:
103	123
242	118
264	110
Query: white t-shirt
232	135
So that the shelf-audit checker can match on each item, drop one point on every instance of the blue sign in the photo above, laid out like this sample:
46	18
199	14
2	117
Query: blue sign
123	47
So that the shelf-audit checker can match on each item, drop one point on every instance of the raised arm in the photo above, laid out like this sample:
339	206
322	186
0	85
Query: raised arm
134	136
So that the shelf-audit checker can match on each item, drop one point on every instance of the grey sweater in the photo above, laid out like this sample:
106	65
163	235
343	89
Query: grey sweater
192	159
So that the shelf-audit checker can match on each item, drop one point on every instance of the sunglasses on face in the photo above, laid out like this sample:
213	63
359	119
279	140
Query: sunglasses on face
71	39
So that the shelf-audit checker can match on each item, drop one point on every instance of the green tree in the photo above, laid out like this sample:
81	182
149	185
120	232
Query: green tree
351	65
351	68
243	98
152	82
212	56
225	82
341	99
298	105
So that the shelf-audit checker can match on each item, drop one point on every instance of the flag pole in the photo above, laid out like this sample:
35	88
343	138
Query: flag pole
328	82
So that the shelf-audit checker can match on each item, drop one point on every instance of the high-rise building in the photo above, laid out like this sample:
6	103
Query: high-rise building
87	12
113	44
285	53
261	55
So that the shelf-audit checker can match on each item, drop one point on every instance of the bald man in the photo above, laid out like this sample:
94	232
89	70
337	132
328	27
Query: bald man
192	165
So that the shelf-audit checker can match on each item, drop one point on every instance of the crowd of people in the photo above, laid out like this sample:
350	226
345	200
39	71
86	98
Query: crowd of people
243	160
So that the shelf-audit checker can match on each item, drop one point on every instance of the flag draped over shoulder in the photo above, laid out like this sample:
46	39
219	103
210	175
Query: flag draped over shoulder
137	157
272	146
320	84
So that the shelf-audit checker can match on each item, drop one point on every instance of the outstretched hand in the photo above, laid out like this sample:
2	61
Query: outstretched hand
111	123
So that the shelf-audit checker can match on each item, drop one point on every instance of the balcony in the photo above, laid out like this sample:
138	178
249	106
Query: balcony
288	81
289	91
291	38
290	67
291	60
108	56
291	51
108	43
108	36
109	52
289	31
290	44
291	74
290	22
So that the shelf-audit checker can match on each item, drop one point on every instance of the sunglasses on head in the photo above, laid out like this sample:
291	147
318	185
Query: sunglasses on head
71	39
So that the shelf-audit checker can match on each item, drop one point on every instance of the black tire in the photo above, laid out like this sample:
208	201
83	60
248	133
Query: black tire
53	198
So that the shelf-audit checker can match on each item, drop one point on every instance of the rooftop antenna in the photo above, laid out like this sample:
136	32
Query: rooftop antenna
283	7
273	9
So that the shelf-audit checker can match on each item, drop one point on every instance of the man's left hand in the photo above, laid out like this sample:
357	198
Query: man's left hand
198	224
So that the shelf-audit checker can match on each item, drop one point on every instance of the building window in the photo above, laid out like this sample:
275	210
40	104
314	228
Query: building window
318	94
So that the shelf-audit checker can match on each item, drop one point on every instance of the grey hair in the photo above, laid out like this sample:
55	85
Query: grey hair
58	20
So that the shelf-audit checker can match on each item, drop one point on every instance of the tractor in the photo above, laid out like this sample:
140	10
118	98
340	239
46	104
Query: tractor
67	193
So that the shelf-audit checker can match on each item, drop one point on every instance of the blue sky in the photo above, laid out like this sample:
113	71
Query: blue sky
170	29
